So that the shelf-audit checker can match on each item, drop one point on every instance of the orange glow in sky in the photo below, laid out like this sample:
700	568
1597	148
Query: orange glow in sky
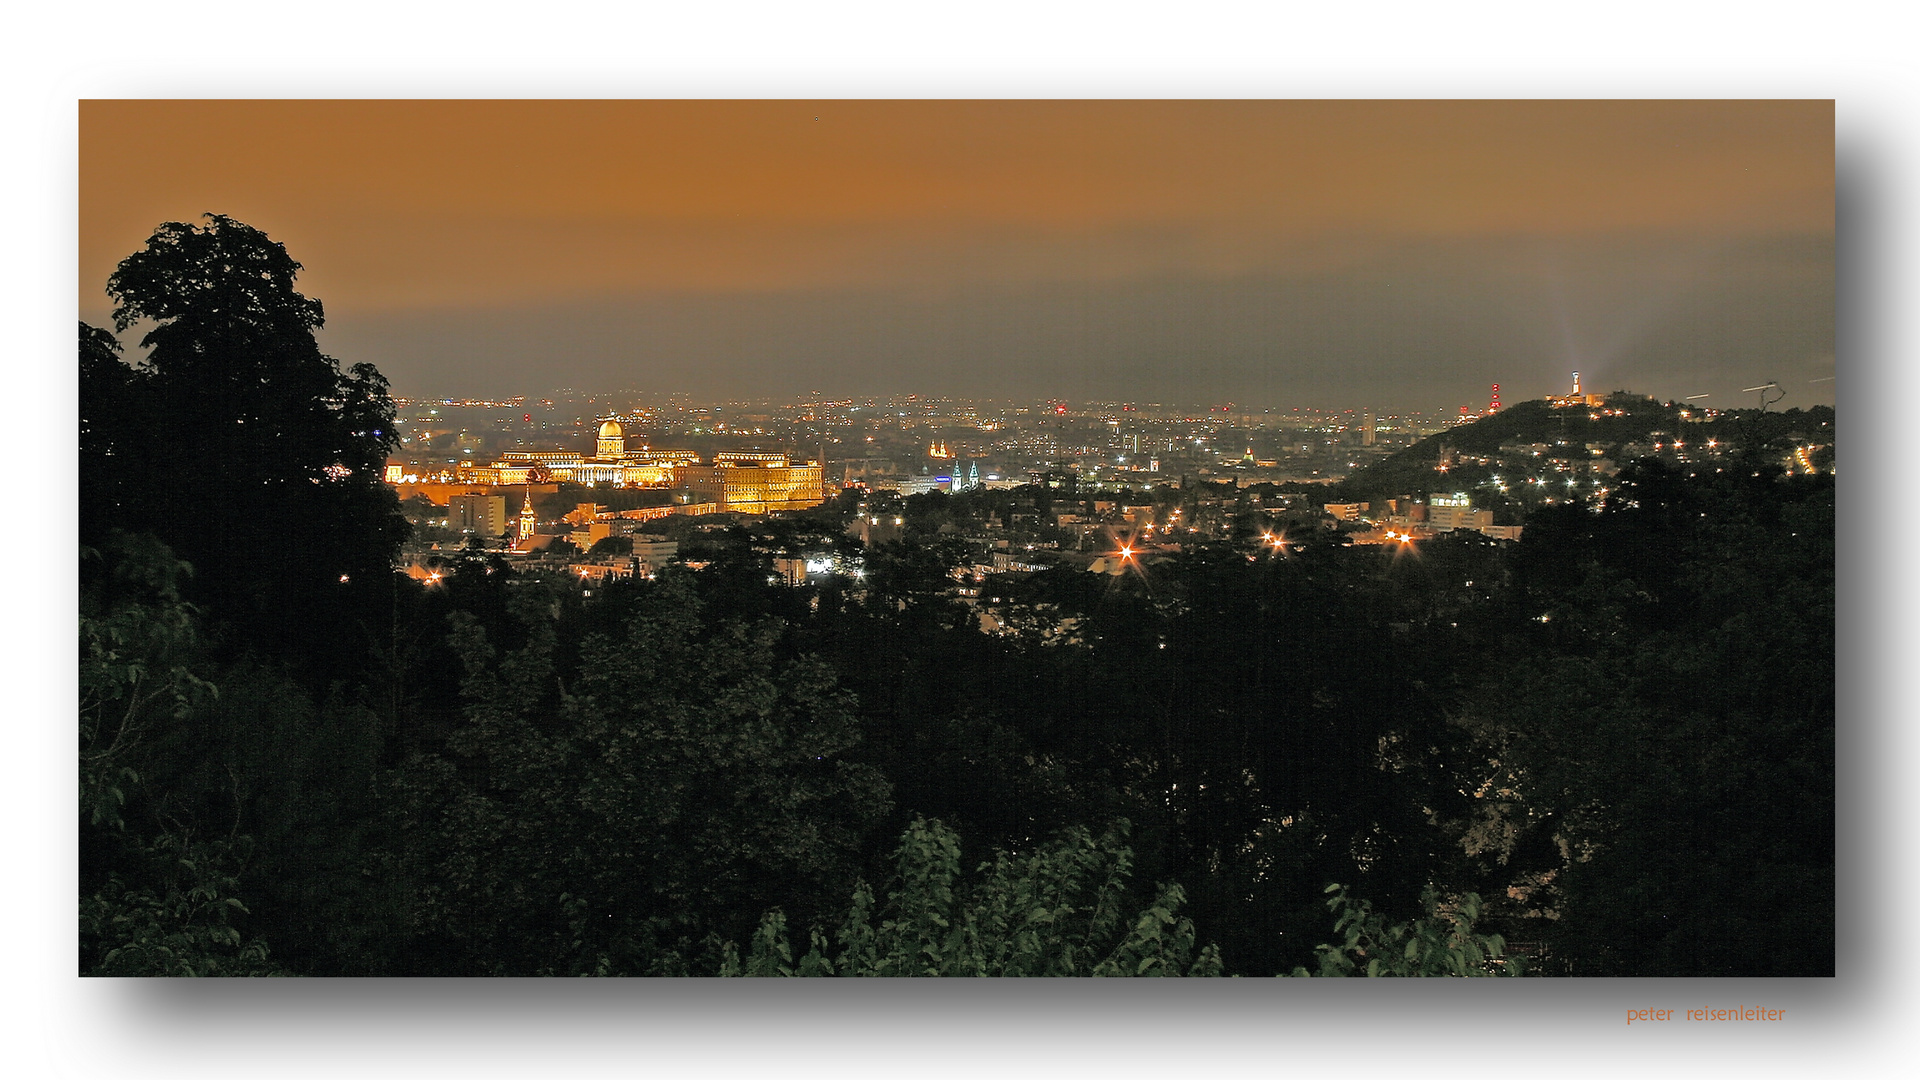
397	203
1302	252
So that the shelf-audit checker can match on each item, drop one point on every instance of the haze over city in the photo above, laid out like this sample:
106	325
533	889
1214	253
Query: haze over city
1378	255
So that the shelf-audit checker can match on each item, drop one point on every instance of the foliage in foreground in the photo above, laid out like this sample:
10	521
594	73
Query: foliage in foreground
1442	943
175	919
135	637
667	787
156	899
1052	911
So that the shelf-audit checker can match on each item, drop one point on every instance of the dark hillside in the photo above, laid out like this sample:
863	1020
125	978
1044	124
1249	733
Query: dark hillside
1625	427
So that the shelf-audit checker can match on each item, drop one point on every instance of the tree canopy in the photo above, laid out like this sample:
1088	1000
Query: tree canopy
235	440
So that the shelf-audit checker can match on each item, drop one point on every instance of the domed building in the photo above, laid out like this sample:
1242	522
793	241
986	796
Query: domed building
613	462
612	444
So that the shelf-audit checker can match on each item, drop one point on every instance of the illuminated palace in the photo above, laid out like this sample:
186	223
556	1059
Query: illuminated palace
748	482
611	463
754	483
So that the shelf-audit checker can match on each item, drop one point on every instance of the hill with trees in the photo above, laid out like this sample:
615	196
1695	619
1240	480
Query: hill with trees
1527	438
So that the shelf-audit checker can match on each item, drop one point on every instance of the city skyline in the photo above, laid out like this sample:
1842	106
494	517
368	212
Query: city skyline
1392	255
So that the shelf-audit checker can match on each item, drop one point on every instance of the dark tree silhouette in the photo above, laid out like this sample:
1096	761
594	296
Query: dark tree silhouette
237	441
111	431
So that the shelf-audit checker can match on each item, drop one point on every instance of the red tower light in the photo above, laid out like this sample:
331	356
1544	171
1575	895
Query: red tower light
1494	407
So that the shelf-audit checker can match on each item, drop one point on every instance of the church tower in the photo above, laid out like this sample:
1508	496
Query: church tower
526	518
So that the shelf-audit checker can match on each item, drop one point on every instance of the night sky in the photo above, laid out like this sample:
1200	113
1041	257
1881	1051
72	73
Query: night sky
1384	255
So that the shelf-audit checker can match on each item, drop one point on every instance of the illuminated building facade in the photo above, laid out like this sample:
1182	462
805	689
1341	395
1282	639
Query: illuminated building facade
754	483
591	574
1446	513
590	534
650	555
482	515
1577	397
645	469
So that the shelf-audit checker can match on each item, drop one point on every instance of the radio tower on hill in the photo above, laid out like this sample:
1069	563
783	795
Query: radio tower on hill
1494	405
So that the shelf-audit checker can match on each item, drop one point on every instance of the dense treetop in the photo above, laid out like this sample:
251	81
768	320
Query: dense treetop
236	440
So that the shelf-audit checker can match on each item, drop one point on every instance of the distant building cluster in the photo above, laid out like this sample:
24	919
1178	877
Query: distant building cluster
1109	490
745	482
1407	520
611	463
481	497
